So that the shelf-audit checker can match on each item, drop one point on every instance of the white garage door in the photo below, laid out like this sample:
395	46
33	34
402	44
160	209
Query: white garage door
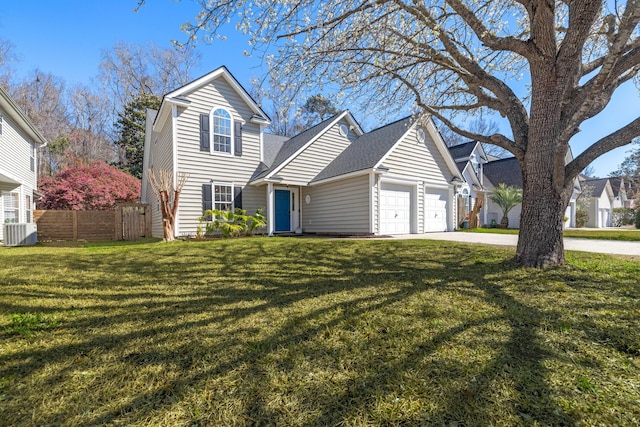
435	211
395	209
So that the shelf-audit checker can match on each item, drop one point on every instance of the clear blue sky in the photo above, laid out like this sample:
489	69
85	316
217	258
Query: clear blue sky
67	37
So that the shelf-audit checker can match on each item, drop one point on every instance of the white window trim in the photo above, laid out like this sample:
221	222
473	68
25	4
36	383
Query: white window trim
213	194
212	143
5	196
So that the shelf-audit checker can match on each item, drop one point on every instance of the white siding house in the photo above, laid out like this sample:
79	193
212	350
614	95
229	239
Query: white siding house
600	209
19	140
331	178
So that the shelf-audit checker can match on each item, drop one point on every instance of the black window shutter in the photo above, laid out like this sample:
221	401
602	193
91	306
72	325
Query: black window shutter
237	197
238	138
207	202
204	132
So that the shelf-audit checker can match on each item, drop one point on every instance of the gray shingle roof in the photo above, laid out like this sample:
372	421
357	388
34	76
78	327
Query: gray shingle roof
597	184
292	145
366	151
272	146
505	171
461	151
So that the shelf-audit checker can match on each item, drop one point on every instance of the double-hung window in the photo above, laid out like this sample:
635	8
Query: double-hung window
223	197
222	131
27	207
10	208
33	157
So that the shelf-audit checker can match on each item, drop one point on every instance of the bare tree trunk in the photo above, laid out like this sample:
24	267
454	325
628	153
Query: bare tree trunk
545	195
541	224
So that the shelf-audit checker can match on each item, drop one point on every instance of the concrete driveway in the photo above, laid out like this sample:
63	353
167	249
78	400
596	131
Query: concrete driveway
614	247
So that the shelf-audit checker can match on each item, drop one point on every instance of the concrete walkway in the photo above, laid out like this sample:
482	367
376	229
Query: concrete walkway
614	247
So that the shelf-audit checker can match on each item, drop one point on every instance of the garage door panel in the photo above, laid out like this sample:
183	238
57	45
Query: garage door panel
395	209
435	211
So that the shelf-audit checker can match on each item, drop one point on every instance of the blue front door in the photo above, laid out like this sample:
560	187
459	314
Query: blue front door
283	210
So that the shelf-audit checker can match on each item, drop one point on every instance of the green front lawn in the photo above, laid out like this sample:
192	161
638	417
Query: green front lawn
311	332
628	234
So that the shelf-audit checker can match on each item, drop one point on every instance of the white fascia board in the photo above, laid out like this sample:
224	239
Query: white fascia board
10	178
259	120
341	177
304	147
208	78
395	144
148	143
174	141
472	174
354	124
165	109
17	115
442	147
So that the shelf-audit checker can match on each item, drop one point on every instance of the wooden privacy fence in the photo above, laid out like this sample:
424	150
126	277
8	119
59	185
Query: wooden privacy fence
125	222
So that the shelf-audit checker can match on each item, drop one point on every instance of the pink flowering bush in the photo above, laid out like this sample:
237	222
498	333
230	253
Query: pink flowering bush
88	186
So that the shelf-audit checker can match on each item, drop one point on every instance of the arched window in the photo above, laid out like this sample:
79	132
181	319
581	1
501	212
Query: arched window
222	131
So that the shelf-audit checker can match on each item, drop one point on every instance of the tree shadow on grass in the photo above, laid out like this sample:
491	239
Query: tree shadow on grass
337	333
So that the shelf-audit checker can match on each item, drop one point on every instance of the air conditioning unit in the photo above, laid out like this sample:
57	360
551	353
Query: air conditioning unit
20	234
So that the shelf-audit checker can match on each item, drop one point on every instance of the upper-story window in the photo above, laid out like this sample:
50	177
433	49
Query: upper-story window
33	157
222	129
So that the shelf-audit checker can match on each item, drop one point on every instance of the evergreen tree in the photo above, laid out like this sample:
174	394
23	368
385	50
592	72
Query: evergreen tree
131	127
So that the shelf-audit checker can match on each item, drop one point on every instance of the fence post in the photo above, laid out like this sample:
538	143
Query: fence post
74	216
118	223
147	221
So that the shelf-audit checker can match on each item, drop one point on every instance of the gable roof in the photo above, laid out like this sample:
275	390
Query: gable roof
12	110
366	151
618	185
177	96
505	171
292	147
462	151
598	185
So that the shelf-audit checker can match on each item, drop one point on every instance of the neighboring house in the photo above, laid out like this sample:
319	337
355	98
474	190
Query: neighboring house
331	178
503	171
600	209
508	171
19	140
621	193
470	159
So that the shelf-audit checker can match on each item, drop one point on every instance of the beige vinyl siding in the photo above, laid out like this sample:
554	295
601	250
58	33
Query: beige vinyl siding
337	207
412	159
15	153
15	162
161	155
203	167
316	157
422	162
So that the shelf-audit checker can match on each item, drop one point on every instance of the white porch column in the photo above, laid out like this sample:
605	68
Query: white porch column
270	209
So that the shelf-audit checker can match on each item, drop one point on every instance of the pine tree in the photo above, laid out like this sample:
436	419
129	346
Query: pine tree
131	128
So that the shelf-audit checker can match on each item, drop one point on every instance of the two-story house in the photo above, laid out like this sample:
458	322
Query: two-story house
470	158
19	140
330	178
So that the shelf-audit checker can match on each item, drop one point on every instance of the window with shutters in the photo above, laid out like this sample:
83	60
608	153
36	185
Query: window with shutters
222	131
10	208
223	197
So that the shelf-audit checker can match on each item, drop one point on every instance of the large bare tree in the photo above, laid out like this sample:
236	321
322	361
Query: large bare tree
127	70
544	65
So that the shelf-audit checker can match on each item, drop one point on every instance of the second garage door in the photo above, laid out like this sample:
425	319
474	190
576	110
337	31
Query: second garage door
435	211
395	209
